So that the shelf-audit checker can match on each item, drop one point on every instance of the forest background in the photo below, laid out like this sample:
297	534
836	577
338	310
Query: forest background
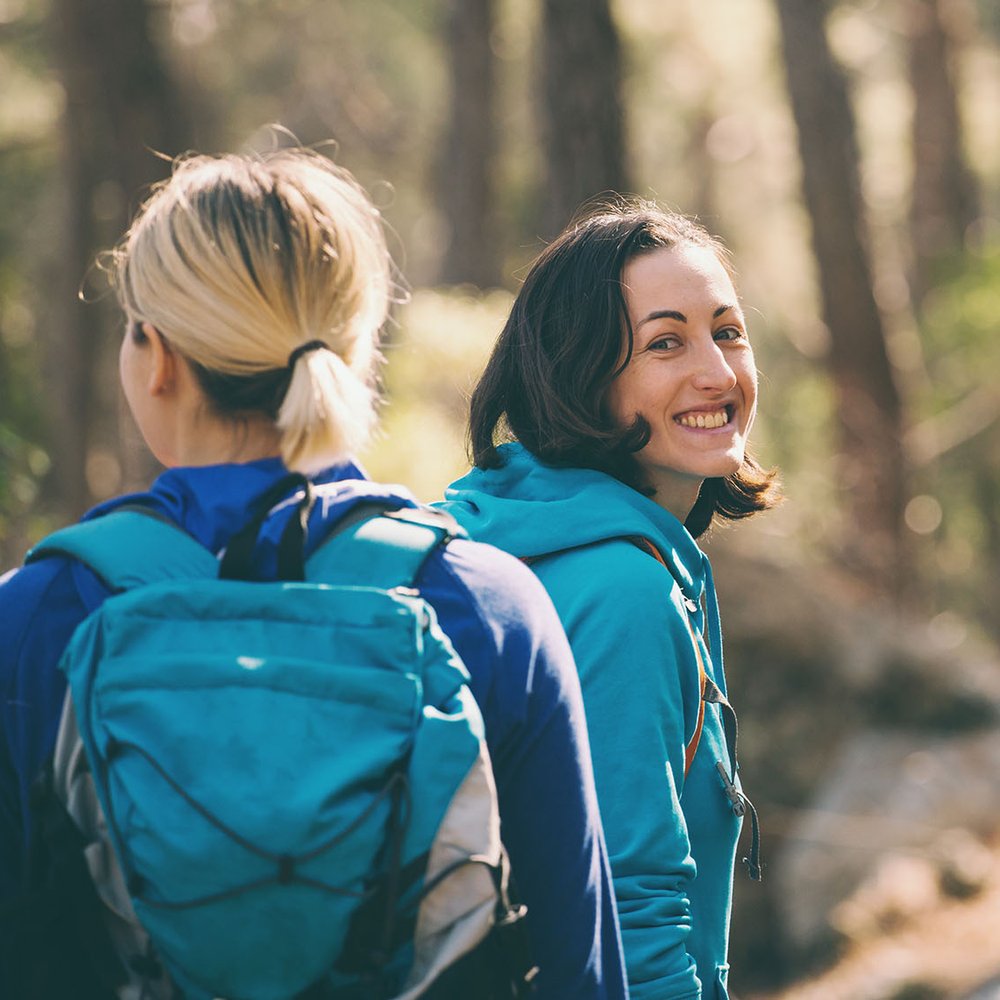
849	153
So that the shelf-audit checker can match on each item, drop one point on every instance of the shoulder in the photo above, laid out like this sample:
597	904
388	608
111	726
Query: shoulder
504	628
480	590
615	568
504	590
25	597
40	606
620	606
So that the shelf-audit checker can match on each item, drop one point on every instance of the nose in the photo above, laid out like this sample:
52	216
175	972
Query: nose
712	370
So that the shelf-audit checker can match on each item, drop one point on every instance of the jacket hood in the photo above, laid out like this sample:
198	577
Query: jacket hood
533	509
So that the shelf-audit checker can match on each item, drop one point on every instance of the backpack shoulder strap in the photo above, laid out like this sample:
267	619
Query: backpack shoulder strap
376	546
692	748
129	547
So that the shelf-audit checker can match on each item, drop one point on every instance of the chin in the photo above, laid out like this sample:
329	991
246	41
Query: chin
723	467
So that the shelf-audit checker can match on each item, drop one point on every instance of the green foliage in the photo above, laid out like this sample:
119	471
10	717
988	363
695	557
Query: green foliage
956	444
30	105
442	344
22	466
959	326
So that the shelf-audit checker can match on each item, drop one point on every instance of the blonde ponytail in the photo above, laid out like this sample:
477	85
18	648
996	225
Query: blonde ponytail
238	261
327	414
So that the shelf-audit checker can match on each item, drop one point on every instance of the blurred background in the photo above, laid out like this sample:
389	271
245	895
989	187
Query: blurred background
849	153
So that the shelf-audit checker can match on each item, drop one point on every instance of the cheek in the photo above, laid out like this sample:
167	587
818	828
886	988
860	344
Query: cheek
123	369
749	380
624	400
747	374
132	375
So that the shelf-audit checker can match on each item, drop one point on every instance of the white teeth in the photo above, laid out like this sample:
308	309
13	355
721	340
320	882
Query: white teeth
718	419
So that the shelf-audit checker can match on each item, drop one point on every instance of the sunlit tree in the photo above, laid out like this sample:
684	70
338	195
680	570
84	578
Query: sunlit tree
582	116
871	465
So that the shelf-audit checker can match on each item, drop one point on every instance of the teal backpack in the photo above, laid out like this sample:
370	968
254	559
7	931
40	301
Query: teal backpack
282	786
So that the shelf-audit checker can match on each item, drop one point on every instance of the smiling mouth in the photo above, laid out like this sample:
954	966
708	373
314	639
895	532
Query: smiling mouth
706	419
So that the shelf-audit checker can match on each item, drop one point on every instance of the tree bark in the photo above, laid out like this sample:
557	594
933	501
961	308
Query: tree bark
121	106
944	197
466	175
582	117
872	472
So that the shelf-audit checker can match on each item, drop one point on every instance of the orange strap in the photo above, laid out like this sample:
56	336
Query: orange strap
692	748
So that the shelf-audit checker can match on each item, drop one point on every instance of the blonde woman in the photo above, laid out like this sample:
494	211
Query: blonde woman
254	290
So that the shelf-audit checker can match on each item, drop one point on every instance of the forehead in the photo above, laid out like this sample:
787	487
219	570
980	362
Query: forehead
682	278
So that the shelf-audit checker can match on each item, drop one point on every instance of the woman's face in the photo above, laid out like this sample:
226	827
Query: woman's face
692	374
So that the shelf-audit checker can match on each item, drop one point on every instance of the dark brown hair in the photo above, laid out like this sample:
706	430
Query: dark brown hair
547	380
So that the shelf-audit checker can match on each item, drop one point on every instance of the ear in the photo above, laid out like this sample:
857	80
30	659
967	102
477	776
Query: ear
162	375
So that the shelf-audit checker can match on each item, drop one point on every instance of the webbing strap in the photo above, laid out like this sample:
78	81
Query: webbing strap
692	748
376	547
738	800
126	548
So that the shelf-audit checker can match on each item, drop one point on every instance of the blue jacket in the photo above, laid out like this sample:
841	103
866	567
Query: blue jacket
502	626
671	839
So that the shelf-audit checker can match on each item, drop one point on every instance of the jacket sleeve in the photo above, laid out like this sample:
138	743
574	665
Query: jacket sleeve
40	607
640	688
504	627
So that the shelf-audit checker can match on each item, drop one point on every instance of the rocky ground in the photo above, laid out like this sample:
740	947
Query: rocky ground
948	950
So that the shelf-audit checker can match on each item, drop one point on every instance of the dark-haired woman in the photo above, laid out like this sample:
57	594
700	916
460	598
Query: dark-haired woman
626	379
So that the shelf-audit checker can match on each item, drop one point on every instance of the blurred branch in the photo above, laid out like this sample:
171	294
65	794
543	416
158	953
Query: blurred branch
24	143
932	438
21	30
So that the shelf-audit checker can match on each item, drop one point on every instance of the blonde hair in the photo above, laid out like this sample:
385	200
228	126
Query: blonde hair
236	261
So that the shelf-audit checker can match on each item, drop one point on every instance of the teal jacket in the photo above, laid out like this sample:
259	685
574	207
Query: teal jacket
671	838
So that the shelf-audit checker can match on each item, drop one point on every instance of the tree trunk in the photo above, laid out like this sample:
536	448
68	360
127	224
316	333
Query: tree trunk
944	198
120	108
466	175
871	469
583	124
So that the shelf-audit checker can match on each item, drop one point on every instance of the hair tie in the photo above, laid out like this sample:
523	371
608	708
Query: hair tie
309	345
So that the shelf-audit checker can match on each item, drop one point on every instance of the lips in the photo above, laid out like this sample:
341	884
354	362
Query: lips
704	419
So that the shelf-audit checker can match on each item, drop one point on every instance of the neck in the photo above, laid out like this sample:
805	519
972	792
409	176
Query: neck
212	440
676	496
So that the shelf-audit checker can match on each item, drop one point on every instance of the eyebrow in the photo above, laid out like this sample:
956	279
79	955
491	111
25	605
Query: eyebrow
679	316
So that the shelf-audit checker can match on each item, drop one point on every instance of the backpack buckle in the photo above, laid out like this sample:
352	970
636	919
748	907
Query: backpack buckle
736	800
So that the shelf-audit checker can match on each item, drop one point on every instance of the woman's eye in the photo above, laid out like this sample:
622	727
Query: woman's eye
729	333
665	343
